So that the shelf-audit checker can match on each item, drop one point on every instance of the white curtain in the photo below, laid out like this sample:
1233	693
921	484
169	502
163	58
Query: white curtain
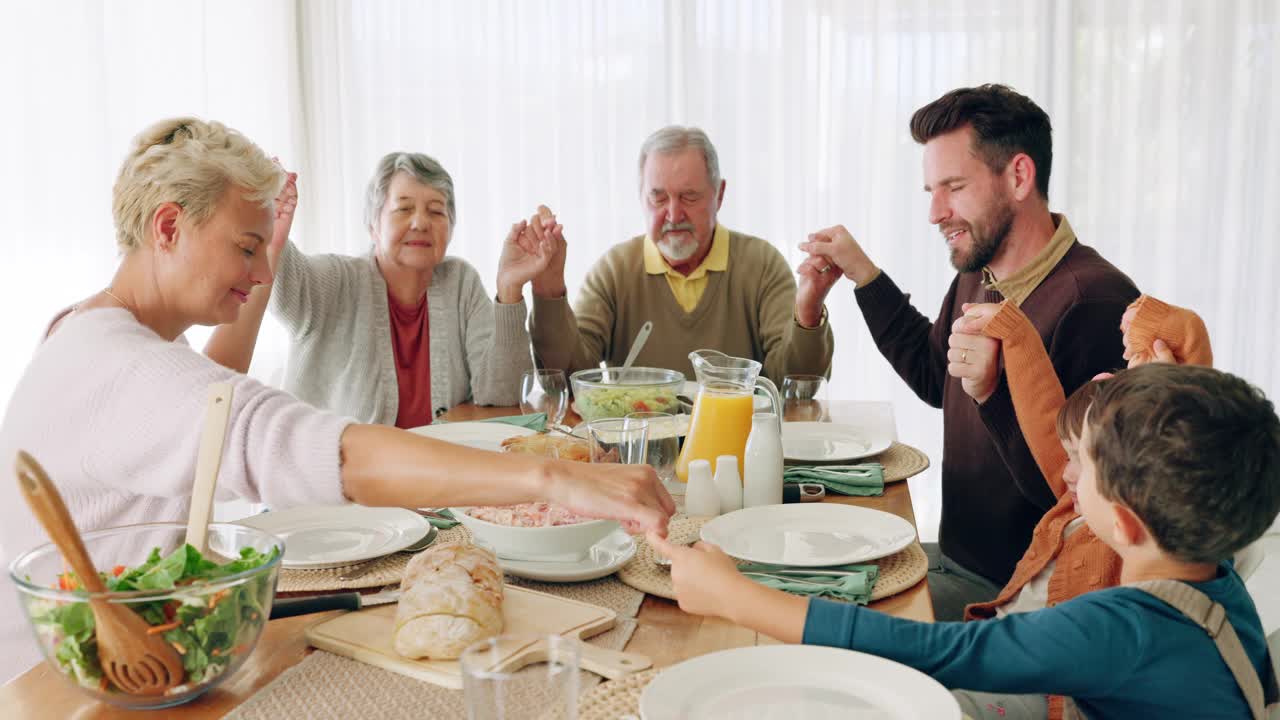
1165	113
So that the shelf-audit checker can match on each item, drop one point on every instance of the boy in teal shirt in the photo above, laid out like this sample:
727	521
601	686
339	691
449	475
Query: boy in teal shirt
1180	468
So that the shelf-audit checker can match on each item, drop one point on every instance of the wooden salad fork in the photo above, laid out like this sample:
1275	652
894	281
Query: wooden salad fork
134	661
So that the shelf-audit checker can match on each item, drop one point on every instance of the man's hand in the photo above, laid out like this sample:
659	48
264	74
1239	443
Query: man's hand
837	246
817	276
975	359
976	317
550	282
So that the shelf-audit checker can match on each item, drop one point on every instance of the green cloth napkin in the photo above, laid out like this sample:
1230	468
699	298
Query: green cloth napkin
864	479
443	524
854	588
533	421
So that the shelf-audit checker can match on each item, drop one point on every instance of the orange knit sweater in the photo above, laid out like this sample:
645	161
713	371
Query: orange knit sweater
1084	562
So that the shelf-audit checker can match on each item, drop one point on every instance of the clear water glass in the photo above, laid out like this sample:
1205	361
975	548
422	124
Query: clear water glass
547	687
618	440
545	391
662	447
804	398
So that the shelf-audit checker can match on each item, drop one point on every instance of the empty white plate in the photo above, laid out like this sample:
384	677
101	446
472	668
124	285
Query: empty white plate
809	534
336	535
605	558
826	442
480	435
794	681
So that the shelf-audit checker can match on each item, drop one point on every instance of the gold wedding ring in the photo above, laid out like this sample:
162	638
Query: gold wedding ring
964	356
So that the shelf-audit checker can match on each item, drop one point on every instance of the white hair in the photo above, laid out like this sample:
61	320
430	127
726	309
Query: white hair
423	168
190	162
674	138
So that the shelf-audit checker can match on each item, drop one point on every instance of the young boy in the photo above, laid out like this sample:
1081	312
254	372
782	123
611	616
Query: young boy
1180	467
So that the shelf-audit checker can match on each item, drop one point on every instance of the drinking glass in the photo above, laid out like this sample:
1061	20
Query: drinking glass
662	446
545	391
804	398
618	440
547	687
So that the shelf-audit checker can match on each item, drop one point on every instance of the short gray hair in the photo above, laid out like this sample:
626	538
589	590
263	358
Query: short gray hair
674	138
423	168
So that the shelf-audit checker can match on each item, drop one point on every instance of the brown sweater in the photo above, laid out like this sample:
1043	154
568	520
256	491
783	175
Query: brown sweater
745	311
1084	562
993	493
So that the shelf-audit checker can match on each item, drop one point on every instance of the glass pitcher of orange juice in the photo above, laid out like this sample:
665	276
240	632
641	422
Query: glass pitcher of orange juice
722	411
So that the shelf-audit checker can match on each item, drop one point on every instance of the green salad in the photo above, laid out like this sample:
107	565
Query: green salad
207	628
618	401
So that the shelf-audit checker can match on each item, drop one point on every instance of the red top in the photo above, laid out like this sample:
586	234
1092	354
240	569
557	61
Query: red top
411	344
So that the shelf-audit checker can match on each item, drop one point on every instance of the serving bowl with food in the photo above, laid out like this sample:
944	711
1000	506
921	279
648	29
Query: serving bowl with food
616	392
537	531
210	608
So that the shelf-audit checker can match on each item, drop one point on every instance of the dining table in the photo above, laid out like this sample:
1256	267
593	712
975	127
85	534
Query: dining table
664	632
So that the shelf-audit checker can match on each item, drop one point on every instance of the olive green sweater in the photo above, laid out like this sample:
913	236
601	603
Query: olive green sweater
746	311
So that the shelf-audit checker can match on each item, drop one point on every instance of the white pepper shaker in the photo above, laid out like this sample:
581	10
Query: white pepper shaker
728	483
701	498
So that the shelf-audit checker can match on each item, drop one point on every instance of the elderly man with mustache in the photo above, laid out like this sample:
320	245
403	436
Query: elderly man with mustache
701	284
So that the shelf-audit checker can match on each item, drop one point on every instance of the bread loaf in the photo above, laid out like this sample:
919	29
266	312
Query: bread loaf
452	597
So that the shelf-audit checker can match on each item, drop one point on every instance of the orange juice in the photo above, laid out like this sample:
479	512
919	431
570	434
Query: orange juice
720	425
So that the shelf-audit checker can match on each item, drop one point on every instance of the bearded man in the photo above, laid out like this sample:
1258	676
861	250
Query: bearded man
701	284
987	155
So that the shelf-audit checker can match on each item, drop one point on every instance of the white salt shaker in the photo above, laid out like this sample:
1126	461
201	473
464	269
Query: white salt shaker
701	498
728	484
762	461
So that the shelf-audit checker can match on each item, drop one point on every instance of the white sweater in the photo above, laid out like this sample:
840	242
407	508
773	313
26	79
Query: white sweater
113	412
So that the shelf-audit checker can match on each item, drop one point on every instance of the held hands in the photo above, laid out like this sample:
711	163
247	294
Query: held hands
836	246
532	249
631	494
817	276
1159	352
286	205
702	575
971	356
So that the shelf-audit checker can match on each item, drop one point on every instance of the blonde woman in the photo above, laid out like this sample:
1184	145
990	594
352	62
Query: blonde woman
112	401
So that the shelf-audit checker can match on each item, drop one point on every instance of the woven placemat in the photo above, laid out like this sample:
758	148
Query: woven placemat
898	572
325	686
607	592
616	698
386	571
901	462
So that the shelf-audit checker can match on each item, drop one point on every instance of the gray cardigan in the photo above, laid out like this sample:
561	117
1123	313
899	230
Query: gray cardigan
341	358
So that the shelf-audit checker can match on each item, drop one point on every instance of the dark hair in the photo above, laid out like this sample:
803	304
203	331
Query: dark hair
1071	417
1004	124
1194	452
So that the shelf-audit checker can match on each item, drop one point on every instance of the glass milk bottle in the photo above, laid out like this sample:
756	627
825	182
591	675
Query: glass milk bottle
762	479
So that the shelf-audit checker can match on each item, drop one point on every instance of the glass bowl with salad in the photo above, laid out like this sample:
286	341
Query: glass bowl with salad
615	392
209	607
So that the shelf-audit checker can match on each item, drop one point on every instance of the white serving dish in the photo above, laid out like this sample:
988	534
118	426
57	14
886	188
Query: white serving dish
560	543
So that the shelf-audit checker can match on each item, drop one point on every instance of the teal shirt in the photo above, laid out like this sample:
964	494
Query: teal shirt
1120	652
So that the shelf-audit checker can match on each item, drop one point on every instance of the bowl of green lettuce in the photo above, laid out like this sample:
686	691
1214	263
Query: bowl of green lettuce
617	392
210	607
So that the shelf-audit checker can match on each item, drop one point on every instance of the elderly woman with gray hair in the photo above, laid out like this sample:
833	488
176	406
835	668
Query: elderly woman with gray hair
404	333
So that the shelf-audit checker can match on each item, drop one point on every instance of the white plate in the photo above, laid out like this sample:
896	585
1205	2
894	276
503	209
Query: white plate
809	534
480	435
337	535
825	442
680	420
794	681
605	558
760	402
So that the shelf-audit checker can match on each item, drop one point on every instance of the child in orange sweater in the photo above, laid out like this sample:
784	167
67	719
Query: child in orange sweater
1065	558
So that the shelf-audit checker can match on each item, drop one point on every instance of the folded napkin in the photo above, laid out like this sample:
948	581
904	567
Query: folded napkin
533	421
443	524
855	587
864	479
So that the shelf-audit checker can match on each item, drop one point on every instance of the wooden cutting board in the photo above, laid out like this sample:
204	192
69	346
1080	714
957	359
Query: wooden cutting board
366	635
